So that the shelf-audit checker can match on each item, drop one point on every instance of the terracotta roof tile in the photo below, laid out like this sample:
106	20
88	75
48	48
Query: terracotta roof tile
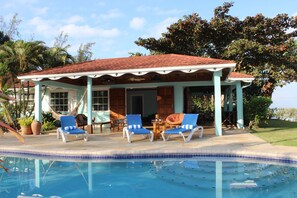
136	62
239	75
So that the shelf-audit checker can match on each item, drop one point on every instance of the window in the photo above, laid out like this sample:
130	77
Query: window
100	100
59	101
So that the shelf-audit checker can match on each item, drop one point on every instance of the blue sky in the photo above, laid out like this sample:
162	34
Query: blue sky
114	25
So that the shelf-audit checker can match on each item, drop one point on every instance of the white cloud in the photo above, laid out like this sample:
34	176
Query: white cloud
137	23
51	28
161	27
74	19
111	14
43	27
18	3
41	11
87	31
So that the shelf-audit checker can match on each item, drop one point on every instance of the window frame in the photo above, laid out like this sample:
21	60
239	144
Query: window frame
57	107
100	97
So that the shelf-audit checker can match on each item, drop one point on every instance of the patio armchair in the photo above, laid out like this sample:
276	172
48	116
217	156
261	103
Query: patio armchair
117	124
174	120
134	127
68	127
188	126
81	120
117	121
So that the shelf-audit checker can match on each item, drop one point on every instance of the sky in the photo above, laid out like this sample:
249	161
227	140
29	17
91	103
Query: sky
114	25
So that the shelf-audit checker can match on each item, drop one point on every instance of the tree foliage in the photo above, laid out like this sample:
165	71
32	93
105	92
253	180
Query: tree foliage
10	29
261	46
84	53
20	56
58	54
256	109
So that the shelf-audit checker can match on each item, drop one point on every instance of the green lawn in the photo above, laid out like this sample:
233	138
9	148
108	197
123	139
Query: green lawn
278	132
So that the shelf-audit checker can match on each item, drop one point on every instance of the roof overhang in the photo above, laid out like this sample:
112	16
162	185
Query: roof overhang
137	72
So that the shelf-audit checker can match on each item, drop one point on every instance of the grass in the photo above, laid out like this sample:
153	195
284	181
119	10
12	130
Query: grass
278	132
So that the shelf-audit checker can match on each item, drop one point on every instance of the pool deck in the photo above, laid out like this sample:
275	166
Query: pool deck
112	144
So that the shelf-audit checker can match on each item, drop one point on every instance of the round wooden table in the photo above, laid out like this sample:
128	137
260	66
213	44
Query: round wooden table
158	128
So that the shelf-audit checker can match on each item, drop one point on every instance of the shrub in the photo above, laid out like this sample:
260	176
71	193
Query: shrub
25	121
46	126
256	109
47	117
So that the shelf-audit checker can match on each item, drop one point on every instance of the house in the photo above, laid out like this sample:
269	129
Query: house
140	84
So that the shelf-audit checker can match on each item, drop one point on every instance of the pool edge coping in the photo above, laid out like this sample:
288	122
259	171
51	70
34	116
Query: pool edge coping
272	157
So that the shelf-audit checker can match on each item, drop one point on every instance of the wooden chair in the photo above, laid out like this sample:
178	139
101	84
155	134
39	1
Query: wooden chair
117	121
81	120
118	124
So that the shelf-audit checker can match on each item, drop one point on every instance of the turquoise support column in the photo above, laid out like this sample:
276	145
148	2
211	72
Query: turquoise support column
89	93
37	172
38	109
219	179
239	104
217	94
230	100
178	99
90	176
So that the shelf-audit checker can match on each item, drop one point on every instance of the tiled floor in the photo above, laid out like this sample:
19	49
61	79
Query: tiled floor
233	142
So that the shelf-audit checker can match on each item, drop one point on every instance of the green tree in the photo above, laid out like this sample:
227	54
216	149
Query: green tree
10	29
22	56
84	52
58	54
256	110
3	38
260	46
19	57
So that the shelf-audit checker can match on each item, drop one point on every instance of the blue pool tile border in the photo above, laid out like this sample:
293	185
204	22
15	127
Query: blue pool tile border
285	160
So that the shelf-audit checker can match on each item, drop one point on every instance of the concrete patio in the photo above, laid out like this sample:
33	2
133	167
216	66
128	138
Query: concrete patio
233	142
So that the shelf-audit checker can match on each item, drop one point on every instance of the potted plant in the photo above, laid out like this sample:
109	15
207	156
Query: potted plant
36	127
25	124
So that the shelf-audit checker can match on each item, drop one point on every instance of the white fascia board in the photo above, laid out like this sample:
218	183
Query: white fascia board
117	73
241	79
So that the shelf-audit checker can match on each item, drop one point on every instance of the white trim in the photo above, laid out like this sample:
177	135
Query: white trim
117	73
240	79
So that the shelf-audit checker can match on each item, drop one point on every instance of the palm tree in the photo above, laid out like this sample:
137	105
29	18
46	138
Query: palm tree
21	56
56	56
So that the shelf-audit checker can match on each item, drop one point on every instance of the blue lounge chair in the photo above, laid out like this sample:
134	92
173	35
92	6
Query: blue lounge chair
134	127
68	127
188	126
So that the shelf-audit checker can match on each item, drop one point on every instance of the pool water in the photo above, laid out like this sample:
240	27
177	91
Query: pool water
153	178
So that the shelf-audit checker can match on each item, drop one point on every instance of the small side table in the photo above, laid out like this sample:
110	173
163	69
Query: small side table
100	124
158	128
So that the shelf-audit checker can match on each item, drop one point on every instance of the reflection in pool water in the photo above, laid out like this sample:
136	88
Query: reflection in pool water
153	178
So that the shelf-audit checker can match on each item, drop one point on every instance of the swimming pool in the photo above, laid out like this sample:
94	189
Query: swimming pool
184	177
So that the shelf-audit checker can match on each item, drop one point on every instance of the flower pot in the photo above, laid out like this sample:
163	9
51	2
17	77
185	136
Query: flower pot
26	130
36	127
